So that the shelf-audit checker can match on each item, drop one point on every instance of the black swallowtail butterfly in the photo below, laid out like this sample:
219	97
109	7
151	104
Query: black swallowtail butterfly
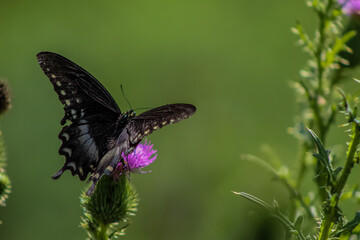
99	132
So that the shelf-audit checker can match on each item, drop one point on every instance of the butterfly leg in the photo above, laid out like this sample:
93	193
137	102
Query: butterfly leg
58	174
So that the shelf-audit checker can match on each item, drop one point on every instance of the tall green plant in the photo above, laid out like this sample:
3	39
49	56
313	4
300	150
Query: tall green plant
320	100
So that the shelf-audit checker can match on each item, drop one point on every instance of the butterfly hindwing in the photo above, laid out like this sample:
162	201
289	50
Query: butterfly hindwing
156	118
80	150
90	108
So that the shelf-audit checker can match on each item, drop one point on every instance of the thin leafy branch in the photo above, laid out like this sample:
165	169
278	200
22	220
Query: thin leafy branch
293	227
285	180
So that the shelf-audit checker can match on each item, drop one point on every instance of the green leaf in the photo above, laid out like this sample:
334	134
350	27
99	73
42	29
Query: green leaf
323	156
348	228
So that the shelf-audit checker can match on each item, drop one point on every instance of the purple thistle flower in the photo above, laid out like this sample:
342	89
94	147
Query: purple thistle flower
350	7
141	157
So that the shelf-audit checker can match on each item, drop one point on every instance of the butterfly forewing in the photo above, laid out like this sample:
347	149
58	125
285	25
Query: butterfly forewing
66	75
154	119
90	108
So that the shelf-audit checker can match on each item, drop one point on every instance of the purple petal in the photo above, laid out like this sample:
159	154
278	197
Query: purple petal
350	7
142	156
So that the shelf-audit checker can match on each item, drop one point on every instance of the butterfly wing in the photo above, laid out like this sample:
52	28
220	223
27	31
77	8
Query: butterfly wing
90	108
154	119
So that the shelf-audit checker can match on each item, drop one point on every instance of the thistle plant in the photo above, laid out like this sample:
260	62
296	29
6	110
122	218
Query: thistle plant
107	212
5	185
320	100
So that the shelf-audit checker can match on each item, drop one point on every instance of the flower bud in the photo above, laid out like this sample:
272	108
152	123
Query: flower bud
4	187
5	100
113	201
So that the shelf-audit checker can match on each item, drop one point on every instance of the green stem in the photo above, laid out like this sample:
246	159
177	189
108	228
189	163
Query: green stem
328	220
324	16
340	183
329	217
102	233
318	118
319	50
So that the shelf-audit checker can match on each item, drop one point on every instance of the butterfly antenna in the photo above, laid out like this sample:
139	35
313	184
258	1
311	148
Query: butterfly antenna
122	90
143	108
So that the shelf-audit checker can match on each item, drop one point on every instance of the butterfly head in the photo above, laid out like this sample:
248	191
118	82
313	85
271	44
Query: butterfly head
130	114
124	118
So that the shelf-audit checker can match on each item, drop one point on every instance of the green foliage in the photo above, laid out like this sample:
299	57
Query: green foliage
293	227
5	185
318	104
323	156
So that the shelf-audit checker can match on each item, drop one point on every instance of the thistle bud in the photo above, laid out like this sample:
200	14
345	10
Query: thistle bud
4	187
113	201
5	100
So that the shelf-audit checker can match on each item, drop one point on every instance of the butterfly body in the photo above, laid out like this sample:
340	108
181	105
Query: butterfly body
98	133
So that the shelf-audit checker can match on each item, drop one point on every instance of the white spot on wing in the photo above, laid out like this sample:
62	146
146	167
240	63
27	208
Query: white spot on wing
68	151
66	136
53	76
58	83
72	165
67	102
62	92
73	112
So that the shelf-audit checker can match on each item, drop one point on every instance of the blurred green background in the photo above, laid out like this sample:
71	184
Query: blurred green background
232	59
